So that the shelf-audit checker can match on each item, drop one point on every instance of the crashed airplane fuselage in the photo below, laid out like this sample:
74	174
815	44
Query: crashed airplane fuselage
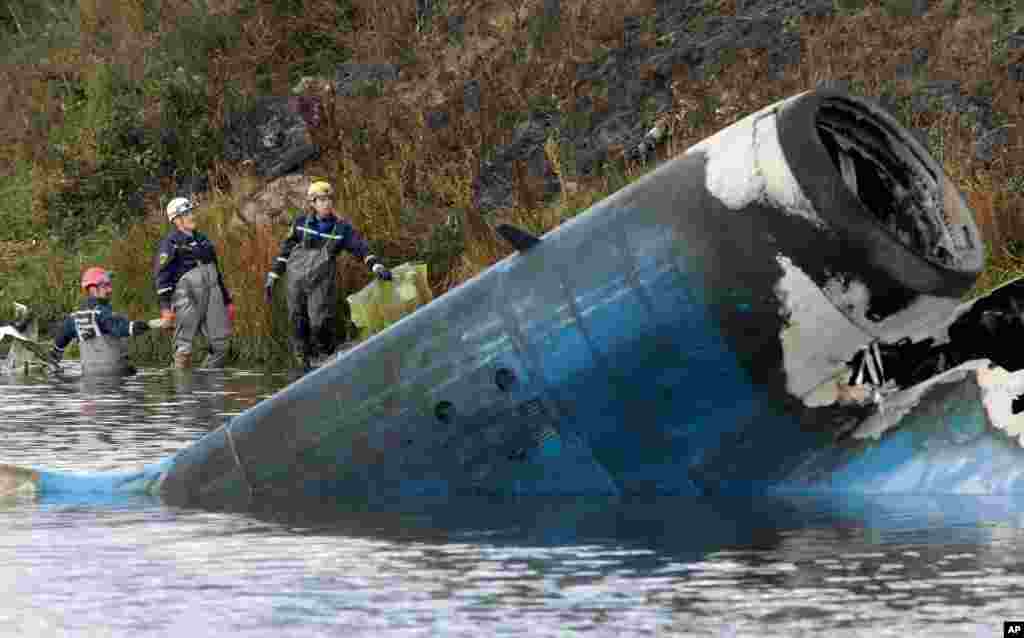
692	333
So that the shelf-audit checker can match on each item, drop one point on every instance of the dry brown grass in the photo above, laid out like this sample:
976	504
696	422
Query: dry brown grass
866	49
397	179
407	158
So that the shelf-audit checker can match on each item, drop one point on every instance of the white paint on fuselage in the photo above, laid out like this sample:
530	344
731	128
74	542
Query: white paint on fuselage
746	165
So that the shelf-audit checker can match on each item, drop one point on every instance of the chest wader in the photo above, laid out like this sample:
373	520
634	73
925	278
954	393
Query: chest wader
101	354
312	300
199	309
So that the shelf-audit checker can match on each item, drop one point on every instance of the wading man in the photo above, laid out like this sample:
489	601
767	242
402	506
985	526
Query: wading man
308	255
101	333
191	290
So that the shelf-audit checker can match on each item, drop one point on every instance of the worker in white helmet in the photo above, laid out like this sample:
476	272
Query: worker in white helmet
191	290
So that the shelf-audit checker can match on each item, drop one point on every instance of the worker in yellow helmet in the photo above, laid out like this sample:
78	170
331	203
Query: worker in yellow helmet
308	255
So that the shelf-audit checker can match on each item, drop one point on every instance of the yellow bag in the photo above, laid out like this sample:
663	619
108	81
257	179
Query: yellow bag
381	303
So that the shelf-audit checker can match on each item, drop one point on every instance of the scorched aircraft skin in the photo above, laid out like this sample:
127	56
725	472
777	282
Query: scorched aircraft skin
690	334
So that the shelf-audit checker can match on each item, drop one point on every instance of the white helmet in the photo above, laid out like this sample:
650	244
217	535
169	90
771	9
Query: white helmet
178	206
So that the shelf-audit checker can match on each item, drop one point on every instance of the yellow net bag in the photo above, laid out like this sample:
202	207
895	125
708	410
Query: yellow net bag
381	303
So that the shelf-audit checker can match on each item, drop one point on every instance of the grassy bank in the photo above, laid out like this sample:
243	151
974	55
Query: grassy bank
115	104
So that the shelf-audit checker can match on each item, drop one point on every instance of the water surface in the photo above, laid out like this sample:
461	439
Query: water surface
131	566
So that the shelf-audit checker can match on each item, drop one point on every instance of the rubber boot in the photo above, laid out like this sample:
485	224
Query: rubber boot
215	360
326	344
182	360
302	351
302	355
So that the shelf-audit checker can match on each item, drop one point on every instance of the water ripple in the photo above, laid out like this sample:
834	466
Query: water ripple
563	568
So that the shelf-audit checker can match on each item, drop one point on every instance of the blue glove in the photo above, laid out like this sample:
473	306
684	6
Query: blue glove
382	272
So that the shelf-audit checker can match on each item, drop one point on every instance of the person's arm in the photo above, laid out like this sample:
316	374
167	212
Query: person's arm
223	287
351	241
287	246
281	261
163	272
357	245
220	276
119	326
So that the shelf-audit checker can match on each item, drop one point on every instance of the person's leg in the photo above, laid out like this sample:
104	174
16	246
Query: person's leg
186	323
323	305
216	325
298	315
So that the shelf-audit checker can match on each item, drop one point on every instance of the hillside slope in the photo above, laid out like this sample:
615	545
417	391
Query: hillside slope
437	119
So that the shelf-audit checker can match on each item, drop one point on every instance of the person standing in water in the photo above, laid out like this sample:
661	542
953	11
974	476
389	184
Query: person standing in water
101	333
308	255
191	290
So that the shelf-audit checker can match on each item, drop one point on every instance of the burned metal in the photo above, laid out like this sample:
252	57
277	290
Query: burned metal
692	333
895	180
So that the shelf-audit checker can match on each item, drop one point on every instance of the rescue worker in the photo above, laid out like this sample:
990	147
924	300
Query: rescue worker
308	255
100	332
191	290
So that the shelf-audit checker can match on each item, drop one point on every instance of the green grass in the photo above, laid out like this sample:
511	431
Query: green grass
68	188
16	204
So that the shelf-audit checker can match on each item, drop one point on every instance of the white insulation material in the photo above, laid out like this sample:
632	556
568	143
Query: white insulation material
745	164
999	388
923	317
817	339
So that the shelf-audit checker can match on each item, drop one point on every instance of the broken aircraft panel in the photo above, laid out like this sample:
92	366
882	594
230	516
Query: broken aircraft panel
695	332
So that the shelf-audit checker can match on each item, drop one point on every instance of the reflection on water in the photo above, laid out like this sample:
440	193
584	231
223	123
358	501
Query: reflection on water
903	566
89	423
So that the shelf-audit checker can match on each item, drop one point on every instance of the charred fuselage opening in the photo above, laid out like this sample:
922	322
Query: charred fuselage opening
988	329
895	179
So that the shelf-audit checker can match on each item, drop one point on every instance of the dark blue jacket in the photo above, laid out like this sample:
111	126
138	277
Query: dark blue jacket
179	253
110	323
313	233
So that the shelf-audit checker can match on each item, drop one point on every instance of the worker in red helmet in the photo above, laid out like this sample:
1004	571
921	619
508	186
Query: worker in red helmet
101	333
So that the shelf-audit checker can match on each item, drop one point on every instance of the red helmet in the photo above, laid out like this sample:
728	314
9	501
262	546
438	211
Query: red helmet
94	277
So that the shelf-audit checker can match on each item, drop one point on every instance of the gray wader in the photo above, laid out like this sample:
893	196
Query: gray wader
199	308
101	354
312	300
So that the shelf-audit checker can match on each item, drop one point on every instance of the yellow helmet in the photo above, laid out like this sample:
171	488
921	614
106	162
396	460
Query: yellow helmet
318	189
